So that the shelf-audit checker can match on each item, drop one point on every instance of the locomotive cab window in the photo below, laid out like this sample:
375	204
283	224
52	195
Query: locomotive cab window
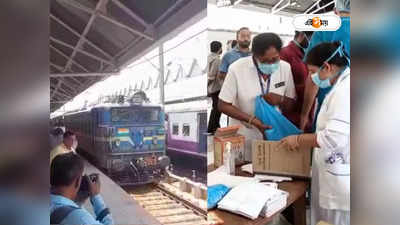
186	129
134	115
175	129
150	115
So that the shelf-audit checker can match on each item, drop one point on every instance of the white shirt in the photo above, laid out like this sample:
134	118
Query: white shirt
333	136
242	86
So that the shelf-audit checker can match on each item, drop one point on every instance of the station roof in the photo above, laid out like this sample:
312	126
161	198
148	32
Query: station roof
93	39
283	6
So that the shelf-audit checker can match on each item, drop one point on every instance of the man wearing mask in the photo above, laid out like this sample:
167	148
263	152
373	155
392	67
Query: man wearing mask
242	49
342	9
214	84
293	53
69	144
261	74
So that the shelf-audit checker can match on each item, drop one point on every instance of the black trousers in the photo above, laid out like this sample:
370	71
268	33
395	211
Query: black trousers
215	115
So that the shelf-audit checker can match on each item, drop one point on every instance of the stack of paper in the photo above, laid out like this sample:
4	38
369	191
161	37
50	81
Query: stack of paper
249	200
275	203
262	177
220	176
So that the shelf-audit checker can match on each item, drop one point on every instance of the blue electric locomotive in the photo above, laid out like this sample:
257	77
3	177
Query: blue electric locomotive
126	140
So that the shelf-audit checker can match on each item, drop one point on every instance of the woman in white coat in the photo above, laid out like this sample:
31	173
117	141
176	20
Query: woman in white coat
330	198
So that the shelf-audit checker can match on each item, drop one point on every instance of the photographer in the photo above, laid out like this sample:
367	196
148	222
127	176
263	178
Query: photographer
65	179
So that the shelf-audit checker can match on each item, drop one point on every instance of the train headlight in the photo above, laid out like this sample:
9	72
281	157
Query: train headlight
117	142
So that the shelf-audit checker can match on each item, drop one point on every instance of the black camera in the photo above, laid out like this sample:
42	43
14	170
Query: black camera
85	182
83	193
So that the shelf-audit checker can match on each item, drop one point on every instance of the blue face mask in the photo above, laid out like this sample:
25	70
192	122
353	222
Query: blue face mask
268	68
327	82
322	83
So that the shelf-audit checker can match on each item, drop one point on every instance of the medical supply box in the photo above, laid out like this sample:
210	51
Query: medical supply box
271	158
224	135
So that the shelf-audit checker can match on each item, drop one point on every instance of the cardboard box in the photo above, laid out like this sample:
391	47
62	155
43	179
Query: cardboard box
267	158
228	134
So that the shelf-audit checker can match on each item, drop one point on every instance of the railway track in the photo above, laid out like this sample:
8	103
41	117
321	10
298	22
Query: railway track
171	206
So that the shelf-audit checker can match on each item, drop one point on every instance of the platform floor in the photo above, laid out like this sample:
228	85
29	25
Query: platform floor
124	209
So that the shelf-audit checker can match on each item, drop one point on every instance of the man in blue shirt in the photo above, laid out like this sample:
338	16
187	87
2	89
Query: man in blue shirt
242	49
342	9
65	179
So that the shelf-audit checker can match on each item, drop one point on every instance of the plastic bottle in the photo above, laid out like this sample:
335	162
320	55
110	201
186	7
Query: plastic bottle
229	159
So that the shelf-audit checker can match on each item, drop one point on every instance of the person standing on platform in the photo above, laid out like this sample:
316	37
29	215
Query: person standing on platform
231	44
243	36
293	53
241	49
68	144
65	178
261	74
312	91
56	137
214	84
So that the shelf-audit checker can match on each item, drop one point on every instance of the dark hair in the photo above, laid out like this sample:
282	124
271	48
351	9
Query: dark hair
65	168
215	46
242	28
57	131
233	43
68	134
320	53
264	41
309	34
306	33
297	33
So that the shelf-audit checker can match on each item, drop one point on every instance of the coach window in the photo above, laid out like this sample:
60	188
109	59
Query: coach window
186	129
175	129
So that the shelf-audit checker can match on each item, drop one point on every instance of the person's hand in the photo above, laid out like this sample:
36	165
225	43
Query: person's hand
221	76
303	122
260	126
273	99
94	186
290	142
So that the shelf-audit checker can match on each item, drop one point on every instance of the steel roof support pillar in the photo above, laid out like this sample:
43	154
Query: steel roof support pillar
161	69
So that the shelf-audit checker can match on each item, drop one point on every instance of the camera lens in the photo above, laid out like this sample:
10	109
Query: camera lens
94	177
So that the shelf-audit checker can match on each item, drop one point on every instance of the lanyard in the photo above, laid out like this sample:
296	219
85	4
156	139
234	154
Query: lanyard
260	77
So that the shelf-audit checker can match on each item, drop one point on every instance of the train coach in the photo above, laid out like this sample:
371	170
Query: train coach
187	132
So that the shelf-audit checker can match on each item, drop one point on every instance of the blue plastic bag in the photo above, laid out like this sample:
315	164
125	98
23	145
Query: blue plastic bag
281	127
215	193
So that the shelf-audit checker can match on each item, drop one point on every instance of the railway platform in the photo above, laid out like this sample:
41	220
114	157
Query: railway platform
124	209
